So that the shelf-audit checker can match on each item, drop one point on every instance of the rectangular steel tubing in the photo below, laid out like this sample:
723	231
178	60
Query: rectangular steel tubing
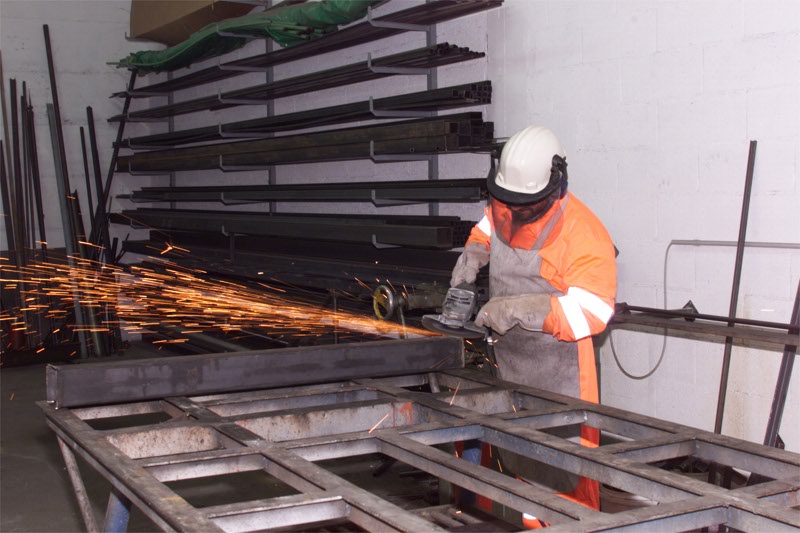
461	123
278	512
446	98
705	328
428	13
430	57
442	234
454	190
99	383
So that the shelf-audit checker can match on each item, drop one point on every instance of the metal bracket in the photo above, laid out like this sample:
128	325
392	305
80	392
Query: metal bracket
396	70
397	114
240	101
137	147
232	135
129	118
386	202
238	168
394	25
381	245
134	172
137	225
388	158
236	202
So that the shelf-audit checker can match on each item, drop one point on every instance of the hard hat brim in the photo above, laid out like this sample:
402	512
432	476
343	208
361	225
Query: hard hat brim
519	198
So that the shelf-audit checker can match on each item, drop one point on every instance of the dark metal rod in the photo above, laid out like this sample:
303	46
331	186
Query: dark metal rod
100	217
37	184
70	240
623	309
6	137
60	152
98	180
737	277
86	172
4	191
784	378
84	504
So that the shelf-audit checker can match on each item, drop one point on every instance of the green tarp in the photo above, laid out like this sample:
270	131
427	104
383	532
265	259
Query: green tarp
287	26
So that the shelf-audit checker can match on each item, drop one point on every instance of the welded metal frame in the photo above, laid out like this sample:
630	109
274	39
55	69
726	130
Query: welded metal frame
285	431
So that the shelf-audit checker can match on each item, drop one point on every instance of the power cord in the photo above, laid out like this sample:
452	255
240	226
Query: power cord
664	342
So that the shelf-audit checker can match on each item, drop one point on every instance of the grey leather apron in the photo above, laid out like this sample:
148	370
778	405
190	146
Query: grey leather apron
531	358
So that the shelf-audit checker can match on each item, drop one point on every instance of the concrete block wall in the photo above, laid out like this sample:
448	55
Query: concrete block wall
655	103
85	35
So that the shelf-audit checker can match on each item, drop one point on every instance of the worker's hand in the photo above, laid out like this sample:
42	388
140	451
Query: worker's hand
474	257
502	313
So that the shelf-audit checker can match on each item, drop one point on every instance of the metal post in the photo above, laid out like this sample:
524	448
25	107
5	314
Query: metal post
118	512
784	378
86	174
80	490
100	214
737	276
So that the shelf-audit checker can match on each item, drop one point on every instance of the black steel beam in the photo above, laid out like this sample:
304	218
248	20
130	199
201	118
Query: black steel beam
424	232
99	383
429	57
380	193
478	93
364	32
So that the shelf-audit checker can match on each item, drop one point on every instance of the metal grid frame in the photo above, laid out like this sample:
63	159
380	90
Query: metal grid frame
284	431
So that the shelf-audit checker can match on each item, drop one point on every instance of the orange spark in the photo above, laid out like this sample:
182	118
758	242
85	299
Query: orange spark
379	423
454	394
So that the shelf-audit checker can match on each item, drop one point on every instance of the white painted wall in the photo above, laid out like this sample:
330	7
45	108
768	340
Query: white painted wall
85	34
655	101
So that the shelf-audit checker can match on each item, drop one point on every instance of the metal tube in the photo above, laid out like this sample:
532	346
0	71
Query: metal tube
737	277
100	215
86	173
84	504
782	384
118	512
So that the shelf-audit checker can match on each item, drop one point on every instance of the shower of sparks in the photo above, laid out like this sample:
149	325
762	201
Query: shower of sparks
163	294
379	423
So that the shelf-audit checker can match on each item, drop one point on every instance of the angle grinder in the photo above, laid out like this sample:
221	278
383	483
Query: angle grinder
457	310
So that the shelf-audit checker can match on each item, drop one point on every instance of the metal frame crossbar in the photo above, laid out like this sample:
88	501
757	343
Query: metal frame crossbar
287	431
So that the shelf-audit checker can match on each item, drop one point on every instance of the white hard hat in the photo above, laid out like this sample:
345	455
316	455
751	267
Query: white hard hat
532	166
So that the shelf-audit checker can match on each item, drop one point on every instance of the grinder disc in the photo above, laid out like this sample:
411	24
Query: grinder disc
433	323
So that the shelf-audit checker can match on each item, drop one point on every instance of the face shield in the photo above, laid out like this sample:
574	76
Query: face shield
509	220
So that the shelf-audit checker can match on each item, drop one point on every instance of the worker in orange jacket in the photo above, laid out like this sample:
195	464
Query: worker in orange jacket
552	285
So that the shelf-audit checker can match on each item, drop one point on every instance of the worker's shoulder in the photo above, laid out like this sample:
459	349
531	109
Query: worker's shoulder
583	220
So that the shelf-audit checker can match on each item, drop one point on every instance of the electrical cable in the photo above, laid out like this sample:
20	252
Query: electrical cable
663	344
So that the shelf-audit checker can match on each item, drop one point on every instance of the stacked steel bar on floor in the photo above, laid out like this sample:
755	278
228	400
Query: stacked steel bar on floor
463	132
478	93
423	232
370	399
430	57
364	32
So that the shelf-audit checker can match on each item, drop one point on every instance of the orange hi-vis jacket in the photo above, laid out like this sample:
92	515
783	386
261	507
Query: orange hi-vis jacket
578	261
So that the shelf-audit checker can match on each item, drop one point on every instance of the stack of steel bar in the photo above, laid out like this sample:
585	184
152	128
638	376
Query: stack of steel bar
478	93
426	14
390	230
465	132
380	194
429	57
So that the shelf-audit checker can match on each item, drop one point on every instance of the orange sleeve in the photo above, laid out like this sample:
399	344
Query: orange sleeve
586	271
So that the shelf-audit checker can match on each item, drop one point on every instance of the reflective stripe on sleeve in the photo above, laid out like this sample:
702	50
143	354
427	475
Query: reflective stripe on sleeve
592	303
485	226
575	317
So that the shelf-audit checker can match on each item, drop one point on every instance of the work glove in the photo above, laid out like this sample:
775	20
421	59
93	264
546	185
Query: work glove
502	313
474	257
